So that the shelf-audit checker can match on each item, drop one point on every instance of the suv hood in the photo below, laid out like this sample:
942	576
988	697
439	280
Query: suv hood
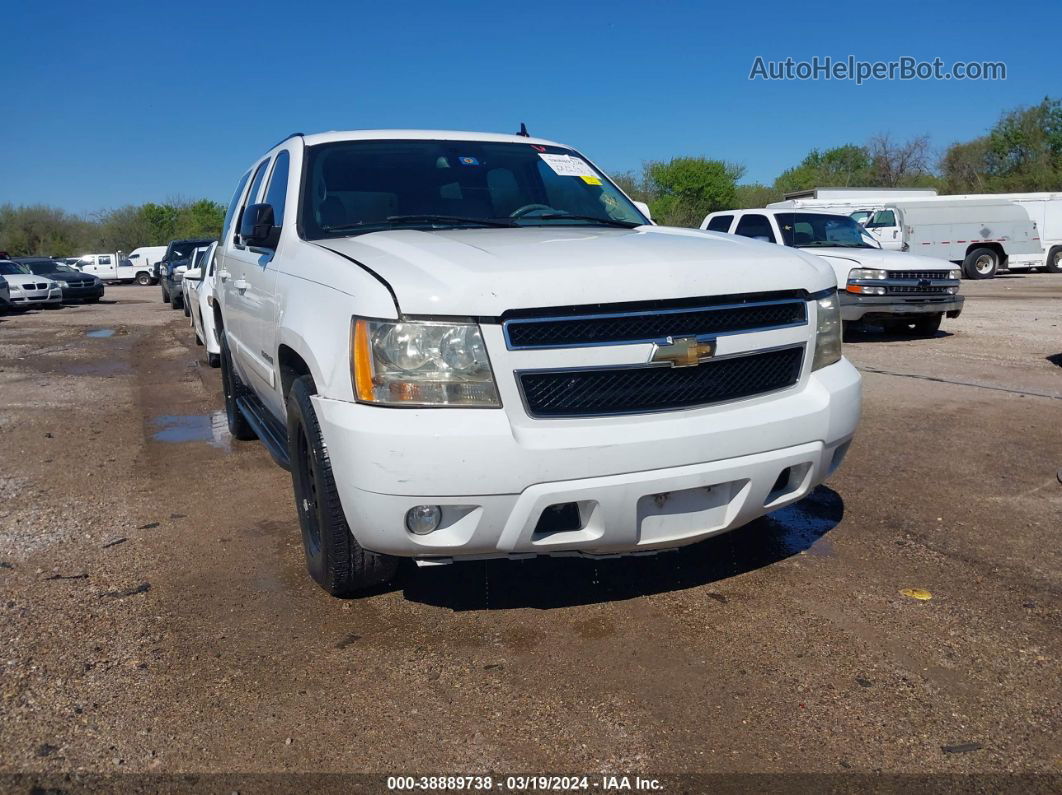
485	272
881	258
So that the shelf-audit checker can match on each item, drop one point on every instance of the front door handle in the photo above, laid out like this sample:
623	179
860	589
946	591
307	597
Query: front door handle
240	284
224	274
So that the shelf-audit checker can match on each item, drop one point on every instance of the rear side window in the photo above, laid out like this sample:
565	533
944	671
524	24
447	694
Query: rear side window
755	226
721	223
104	260
277	192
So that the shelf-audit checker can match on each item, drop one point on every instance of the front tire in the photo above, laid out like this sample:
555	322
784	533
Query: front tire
1054	260
214	360
981	263
165	295
176	302
239	427
334	558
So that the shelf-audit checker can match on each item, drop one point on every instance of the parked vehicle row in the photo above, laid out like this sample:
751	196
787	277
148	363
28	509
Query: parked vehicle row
467	346
43	284
902	292
982	233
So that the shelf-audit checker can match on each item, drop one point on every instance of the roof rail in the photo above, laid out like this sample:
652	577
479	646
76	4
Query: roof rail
285	138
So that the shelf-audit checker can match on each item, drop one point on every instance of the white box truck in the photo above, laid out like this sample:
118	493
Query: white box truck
982	235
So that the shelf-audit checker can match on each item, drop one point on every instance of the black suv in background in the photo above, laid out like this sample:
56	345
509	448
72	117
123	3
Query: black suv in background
178	252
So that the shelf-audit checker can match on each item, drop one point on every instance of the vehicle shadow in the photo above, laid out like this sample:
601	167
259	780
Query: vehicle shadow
546	583
1055	359
878	335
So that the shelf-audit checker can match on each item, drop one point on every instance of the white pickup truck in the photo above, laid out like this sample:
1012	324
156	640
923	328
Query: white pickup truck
903	292
114	267
468	345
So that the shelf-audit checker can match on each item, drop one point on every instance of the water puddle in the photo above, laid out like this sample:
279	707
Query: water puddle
211	428
99	368
100	333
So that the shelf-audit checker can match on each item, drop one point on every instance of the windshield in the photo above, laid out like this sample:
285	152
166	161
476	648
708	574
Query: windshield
811	230
354	187
12	269
184	249
43	268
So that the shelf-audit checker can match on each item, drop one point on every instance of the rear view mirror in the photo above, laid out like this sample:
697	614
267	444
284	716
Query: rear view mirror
645	209
257	228
181	269
194	274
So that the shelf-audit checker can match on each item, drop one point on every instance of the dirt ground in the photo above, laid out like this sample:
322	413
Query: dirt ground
156	615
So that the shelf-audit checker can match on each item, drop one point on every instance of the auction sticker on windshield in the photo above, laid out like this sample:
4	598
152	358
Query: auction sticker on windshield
568	166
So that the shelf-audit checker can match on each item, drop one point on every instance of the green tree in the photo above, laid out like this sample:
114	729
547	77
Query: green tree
1024	149
840	167
202	218
685	189
43	230
964	167
754	195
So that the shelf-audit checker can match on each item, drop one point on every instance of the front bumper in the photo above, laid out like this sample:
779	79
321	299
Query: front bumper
883	307
28	299
641	484
81	293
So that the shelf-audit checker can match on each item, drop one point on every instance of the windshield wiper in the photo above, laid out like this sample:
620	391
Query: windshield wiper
594	218
449	220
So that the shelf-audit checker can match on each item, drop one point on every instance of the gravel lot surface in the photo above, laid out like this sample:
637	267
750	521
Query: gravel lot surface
156	615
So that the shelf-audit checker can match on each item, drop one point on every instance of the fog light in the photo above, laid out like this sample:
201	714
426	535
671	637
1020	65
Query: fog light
423	519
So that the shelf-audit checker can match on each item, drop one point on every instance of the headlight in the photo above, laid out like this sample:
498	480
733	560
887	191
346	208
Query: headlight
857	274
827	331
15	288
420	363
955	274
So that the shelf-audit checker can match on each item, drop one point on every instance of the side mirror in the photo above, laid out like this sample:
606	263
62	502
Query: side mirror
257	228
194	274
645	209
181	269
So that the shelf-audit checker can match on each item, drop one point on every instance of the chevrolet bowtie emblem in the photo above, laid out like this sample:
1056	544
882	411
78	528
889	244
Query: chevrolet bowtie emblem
683	351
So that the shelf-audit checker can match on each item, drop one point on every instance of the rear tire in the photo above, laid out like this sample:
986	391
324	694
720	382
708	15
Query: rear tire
1054	260
981	263
239	427
214	359
334	558
143	279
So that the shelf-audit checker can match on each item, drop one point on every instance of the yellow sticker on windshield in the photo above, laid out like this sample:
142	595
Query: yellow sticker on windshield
591	180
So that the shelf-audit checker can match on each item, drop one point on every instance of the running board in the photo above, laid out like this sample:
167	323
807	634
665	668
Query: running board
271	433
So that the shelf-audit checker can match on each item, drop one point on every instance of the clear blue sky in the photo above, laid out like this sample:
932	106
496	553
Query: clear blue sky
105	104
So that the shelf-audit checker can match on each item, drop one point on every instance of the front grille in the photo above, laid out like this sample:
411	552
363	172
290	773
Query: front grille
897	289
629	390
653	324
918	275
43	286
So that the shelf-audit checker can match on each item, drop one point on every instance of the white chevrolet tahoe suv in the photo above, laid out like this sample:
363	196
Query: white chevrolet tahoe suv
468	345
903	292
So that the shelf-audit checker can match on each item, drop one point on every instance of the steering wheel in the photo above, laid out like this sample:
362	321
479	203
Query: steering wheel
520	212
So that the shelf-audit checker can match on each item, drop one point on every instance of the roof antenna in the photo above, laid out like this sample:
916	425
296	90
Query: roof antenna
523	131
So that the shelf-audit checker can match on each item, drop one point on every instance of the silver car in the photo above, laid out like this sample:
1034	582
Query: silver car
27	291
